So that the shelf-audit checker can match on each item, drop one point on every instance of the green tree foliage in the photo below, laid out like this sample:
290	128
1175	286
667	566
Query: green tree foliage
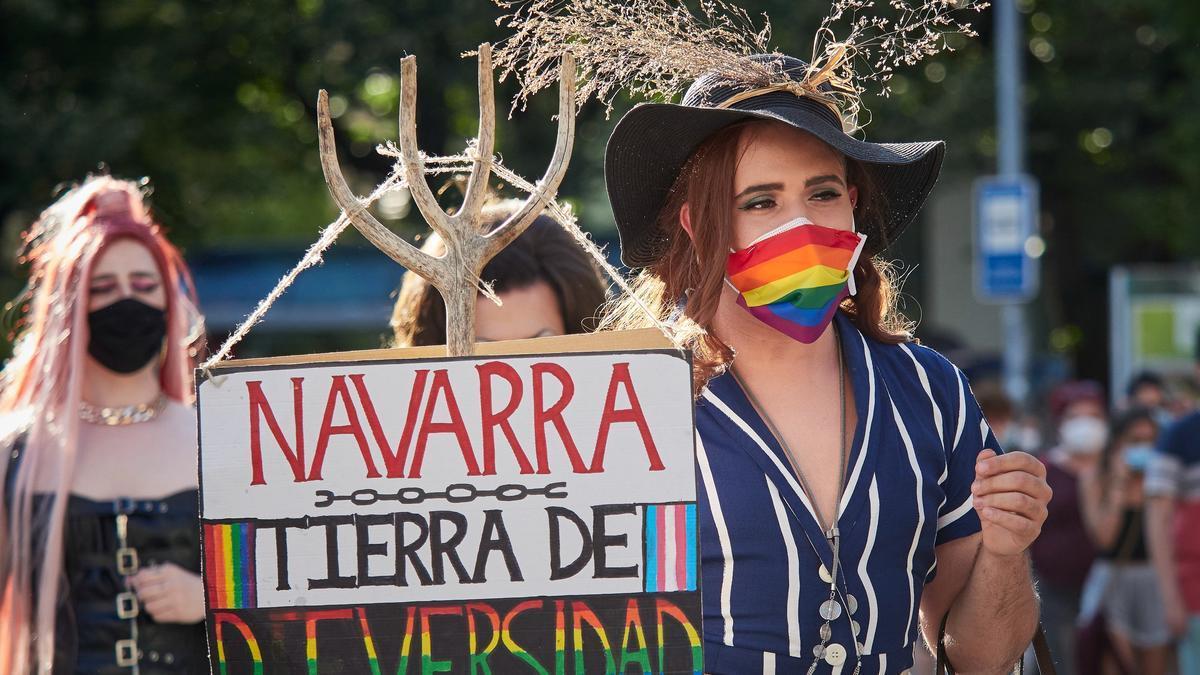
215	102
1115	140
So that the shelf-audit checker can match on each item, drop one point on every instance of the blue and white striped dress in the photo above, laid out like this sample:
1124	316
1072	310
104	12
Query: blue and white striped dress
908	490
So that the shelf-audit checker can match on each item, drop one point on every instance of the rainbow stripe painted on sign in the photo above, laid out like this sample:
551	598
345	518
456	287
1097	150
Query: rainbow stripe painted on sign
256	659
794	281
229	562
670	547
664	607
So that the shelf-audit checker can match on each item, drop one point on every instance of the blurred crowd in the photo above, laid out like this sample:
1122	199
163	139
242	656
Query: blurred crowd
1116	562
1118	573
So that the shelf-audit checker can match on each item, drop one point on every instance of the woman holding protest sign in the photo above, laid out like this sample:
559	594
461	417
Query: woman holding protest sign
99	539
851	491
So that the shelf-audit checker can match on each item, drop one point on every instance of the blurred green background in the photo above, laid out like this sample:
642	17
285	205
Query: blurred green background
215	102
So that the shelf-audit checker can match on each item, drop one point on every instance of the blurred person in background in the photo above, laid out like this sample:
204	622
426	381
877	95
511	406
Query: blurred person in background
1028	435
1173	530
999	411
1148	390
546	283
1185	392
1064	553
1014	430
99	531
1122	590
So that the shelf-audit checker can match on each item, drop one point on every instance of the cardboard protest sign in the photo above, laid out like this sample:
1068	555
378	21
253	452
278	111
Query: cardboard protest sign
531	513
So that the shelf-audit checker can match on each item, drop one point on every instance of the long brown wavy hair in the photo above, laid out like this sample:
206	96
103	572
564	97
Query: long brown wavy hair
692	270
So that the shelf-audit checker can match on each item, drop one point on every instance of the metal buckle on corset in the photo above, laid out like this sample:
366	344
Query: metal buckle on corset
127	557
124	505
127	561
126	653
127	605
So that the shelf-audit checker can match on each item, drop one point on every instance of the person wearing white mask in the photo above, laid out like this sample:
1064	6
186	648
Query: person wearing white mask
1063	556
1122	588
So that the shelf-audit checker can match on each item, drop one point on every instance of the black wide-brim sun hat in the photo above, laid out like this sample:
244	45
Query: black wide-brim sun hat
652	142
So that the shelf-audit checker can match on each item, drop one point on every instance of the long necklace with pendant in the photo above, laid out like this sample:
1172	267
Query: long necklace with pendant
831	609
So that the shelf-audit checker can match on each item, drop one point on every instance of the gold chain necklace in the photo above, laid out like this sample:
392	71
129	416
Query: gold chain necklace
122	415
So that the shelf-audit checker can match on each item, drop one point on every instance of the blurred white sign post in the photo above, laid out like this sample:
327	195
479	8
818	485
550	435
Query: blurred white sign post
1005	221
1006	246
1006	270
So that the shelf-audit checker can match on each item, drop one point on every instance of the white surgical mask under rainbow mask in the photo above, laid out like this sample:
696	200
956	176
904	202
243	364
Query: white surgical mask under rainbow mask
794	277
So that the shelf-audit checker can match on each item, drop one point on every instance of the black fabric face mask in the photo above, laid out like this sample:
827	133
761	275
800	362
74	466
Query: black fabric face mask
126	335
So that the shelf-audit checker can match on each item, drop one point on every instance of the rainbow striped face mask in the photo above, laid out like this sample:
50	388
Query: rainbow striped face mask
794	277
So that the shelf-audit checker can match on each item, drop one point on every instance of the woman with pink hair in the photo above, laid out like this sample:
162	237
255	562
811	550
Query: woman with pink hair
99	538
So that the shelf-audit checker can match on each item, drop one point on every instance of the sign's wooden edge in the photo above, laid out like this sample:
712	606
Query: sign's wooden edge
609	341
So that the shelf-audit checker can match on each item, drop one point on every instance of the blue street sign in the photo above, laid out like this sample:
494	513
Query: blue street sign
1005	220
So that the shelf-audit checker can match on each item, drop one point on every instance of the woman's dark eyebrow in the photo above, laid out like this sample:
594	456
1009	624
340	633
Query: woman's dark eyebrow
150	275
104	277
761	187
827	178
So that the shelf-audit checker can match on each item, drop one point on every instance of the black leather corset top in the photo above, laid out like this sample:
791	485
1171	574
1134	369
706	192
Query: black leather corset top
101	627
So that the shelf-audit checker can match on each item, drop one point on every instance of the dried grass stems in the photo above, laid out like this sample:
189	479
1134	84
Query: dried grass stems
654	49
880	43
649	48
